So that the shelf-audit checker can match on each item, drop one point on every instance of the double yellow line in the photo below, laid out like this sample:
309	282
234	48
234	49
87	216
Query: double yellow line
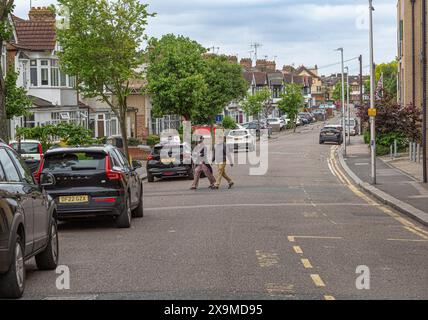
335	169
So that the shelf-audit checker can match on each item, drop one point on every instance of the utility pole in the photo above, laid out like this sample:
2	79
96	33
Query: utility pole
372	99
348	107
361	79
343	101
424	91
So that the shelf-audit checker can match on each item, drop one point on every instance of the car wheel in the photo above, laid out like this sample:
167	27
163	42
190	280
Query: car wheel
124	220
48	259
138	212
150	178
12	283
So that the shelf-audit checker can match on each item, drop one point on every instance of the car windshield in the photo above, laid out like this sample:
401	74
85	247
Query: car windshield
350	123
238	133
272	120
26	147
74	161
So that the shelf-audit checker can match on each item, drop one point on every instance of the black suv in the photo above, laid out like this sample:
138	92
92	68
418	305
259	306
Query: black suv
170	160
94	181
28	225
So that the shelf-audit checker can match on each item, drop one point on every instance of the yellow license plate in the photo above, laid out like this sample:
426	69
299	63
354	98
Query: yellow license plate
168	160
74	199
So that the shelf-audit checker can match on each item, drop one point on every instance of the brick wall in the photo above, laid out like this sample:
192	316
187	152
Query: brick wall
137	153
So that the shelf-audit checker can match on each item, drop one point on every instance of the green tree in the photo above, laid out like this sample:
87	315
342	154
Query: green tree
6	8
228	123
292	101
175	75
337	92
16	100
102	47
256	103
390	74
224	84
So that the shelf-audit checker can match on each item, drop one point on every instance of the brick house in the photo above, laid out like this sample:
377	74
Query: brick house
32	52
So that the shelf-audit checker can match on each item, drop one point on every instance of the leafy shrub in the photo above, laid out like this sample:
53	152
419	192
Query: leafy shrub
228	123
152	140
133	142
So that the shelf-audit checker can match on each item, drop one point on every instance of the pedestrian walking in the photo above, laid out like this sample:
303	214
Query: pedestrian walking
200	154
221	157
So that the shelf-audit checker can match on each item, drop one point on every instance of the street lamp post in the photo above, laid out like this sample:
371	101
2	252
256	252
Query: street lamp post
343	100
348	107
372	98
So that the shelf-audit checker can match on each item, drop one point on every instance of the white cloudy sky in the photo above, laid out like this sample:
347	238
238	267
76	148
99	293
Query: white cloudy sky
294	31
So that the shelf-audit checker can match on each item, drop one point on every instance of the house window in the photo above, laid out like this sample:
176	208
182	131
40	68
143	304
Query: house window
63	79
44	72
33	73
54	73
72	81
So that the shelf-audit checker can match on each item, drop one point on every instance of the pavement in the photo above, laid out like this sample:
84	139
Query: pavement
395	187
300	231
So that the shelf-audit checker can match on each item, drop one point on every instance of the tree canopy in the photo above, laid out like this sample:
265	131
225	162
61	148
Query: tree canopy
16	101
291	101
175	75
224	84
254	104
101	45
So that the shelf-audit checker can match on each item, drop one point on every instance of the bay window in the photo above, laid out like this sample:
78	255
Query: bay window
54	73
47	72
44	72
33	73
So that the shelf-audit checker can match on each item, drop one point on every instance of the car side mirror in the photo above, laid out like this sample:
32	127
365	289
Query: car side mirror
47	180
136	164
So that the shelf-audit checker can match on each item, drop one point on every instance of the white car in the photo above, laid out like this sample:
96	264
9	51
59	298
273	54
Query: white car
28	149
241	139
285	119
276	122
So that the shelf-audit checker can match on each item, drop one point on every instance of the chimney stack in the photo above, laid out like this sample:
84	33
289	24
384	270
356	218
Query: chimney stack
44	14
246	63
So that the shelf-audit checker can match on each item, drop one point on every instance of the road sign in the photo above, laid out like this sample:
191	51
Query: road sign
372	112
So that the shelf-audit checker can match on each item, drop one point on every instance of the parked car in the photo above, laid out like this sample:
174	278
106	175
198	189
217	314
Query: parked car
276	122
307	116
285	119
351	126
28	226
31	151
94	181
303	119
241	139
255	127
331	134
170	160
334	126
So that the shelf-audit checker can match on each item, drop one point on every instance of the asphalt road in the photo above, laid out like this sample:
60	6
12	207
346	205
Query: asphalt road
298	232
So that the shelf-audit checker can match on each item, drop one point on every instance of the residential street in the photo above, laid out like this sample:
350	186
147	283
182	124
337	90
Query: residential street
297	232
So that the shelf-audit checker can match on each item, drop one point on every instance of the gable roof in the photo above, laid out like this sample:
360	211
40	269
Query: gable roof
35	35
303	68
261	78
275	78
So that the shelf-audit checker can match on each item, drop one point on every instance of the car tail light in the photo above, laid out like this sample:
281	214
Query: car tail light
150	157
40	150
111	174
39	171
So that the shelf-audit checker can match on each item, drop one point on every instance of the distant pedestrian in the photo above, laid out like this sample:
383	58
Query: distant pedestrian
200	156
221	157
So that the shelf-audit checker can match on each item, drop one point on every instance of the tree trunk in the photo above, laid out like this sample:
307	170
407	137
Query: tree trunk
124	131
